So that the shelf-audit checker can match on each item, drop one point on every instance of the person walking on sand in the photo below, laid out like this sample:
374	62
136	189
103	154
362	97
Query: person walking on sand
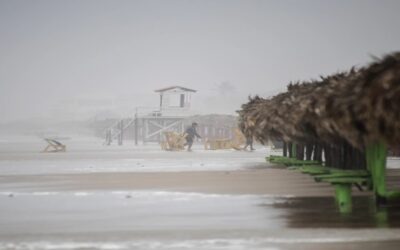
249	142
191	133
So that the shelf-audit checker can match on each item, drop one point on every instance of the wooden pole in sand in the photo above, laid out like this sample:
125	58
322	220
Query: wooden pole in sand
294	150
136	127
285	145
121	132
376	162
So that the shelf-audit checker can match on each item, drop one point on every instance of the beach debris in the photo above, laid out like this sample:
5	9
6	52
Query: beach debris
173	141
225	143
54	146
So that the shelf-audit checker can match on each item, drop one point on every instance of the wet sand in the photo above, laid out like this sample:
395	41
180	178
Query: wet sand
258	208
269	181
146	199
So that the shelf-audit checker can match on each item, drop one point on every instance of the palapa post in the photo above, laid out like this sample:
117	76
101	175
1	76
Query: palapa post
349	119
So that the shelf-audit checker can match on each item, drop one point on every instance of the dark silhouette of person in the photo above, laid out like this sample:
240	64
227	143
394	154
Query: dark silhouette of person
191	133
249	142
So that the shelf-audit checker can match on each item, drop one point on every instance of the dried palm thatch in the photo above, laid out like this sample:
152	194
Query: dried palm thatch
173	141
350	114
368	106
226	143
359	106
249	116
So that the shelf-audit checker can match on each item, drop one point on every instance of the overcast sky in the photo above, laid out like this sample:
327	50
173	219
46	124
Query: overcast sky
55	51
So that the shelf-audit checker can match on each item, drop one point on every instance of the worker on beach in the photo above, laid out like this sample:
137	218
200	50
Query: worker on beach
191	133
249	142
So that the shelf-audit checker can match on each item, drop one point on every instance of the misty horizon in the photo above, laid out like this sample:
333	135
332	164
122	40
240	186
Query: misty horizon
59	54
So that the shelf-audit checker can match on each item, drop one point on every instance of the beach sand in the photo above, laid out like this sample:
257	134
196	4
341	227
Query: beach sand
143	198
269	181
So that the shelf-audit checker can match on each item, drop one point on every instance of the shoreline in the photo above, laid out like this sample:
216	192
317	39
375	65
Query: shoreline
268	181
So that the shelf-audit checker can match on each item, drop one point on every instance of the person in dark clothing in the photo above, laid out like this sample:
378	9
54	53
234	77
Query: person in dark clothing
191	133
249	142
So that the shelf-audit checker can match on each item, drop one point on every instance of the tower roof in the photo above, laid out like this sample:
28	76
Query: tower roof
175	87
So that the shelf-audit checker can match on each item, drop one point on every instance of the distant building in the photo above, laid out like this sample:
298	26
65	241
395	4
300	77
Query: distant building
172	114
149	123
175	100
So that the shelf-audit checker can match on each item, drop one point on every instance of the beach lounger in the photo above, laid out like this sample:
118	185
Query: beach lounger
54	146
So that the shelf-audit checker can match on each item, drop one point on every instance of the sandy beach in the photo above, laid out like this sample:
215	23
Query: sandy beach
150	125
93	197
270	181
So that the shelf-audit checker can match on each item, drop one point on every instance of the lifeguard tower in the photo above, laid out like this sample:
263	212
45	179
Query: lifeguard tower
175	100
149	123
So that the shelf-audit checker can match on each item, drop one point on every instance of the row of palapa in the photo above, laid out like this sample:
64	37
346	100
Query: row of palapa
352	117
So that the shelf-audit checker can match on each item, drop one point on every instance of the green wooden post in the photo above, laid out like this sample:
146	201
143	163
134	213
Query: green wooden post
381	217
376	162
343	197
294	150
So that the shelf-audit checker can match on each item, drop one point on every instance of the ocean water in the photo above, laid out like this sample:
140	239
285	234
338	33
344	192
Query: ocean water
174	220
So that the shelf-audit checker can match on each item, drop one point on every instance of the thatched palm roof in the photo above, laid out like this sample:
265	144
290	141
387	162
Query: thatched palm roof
359	106
367	109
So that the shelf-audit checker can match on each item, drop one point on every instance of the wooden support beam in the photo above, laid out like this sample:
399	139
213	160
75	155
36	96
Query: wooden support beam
164	129
121	132
136	122
343	197
294	151
376	162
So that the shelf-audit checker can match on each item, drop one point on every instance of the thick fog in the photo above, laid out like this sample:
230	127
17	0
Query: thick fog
73	60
